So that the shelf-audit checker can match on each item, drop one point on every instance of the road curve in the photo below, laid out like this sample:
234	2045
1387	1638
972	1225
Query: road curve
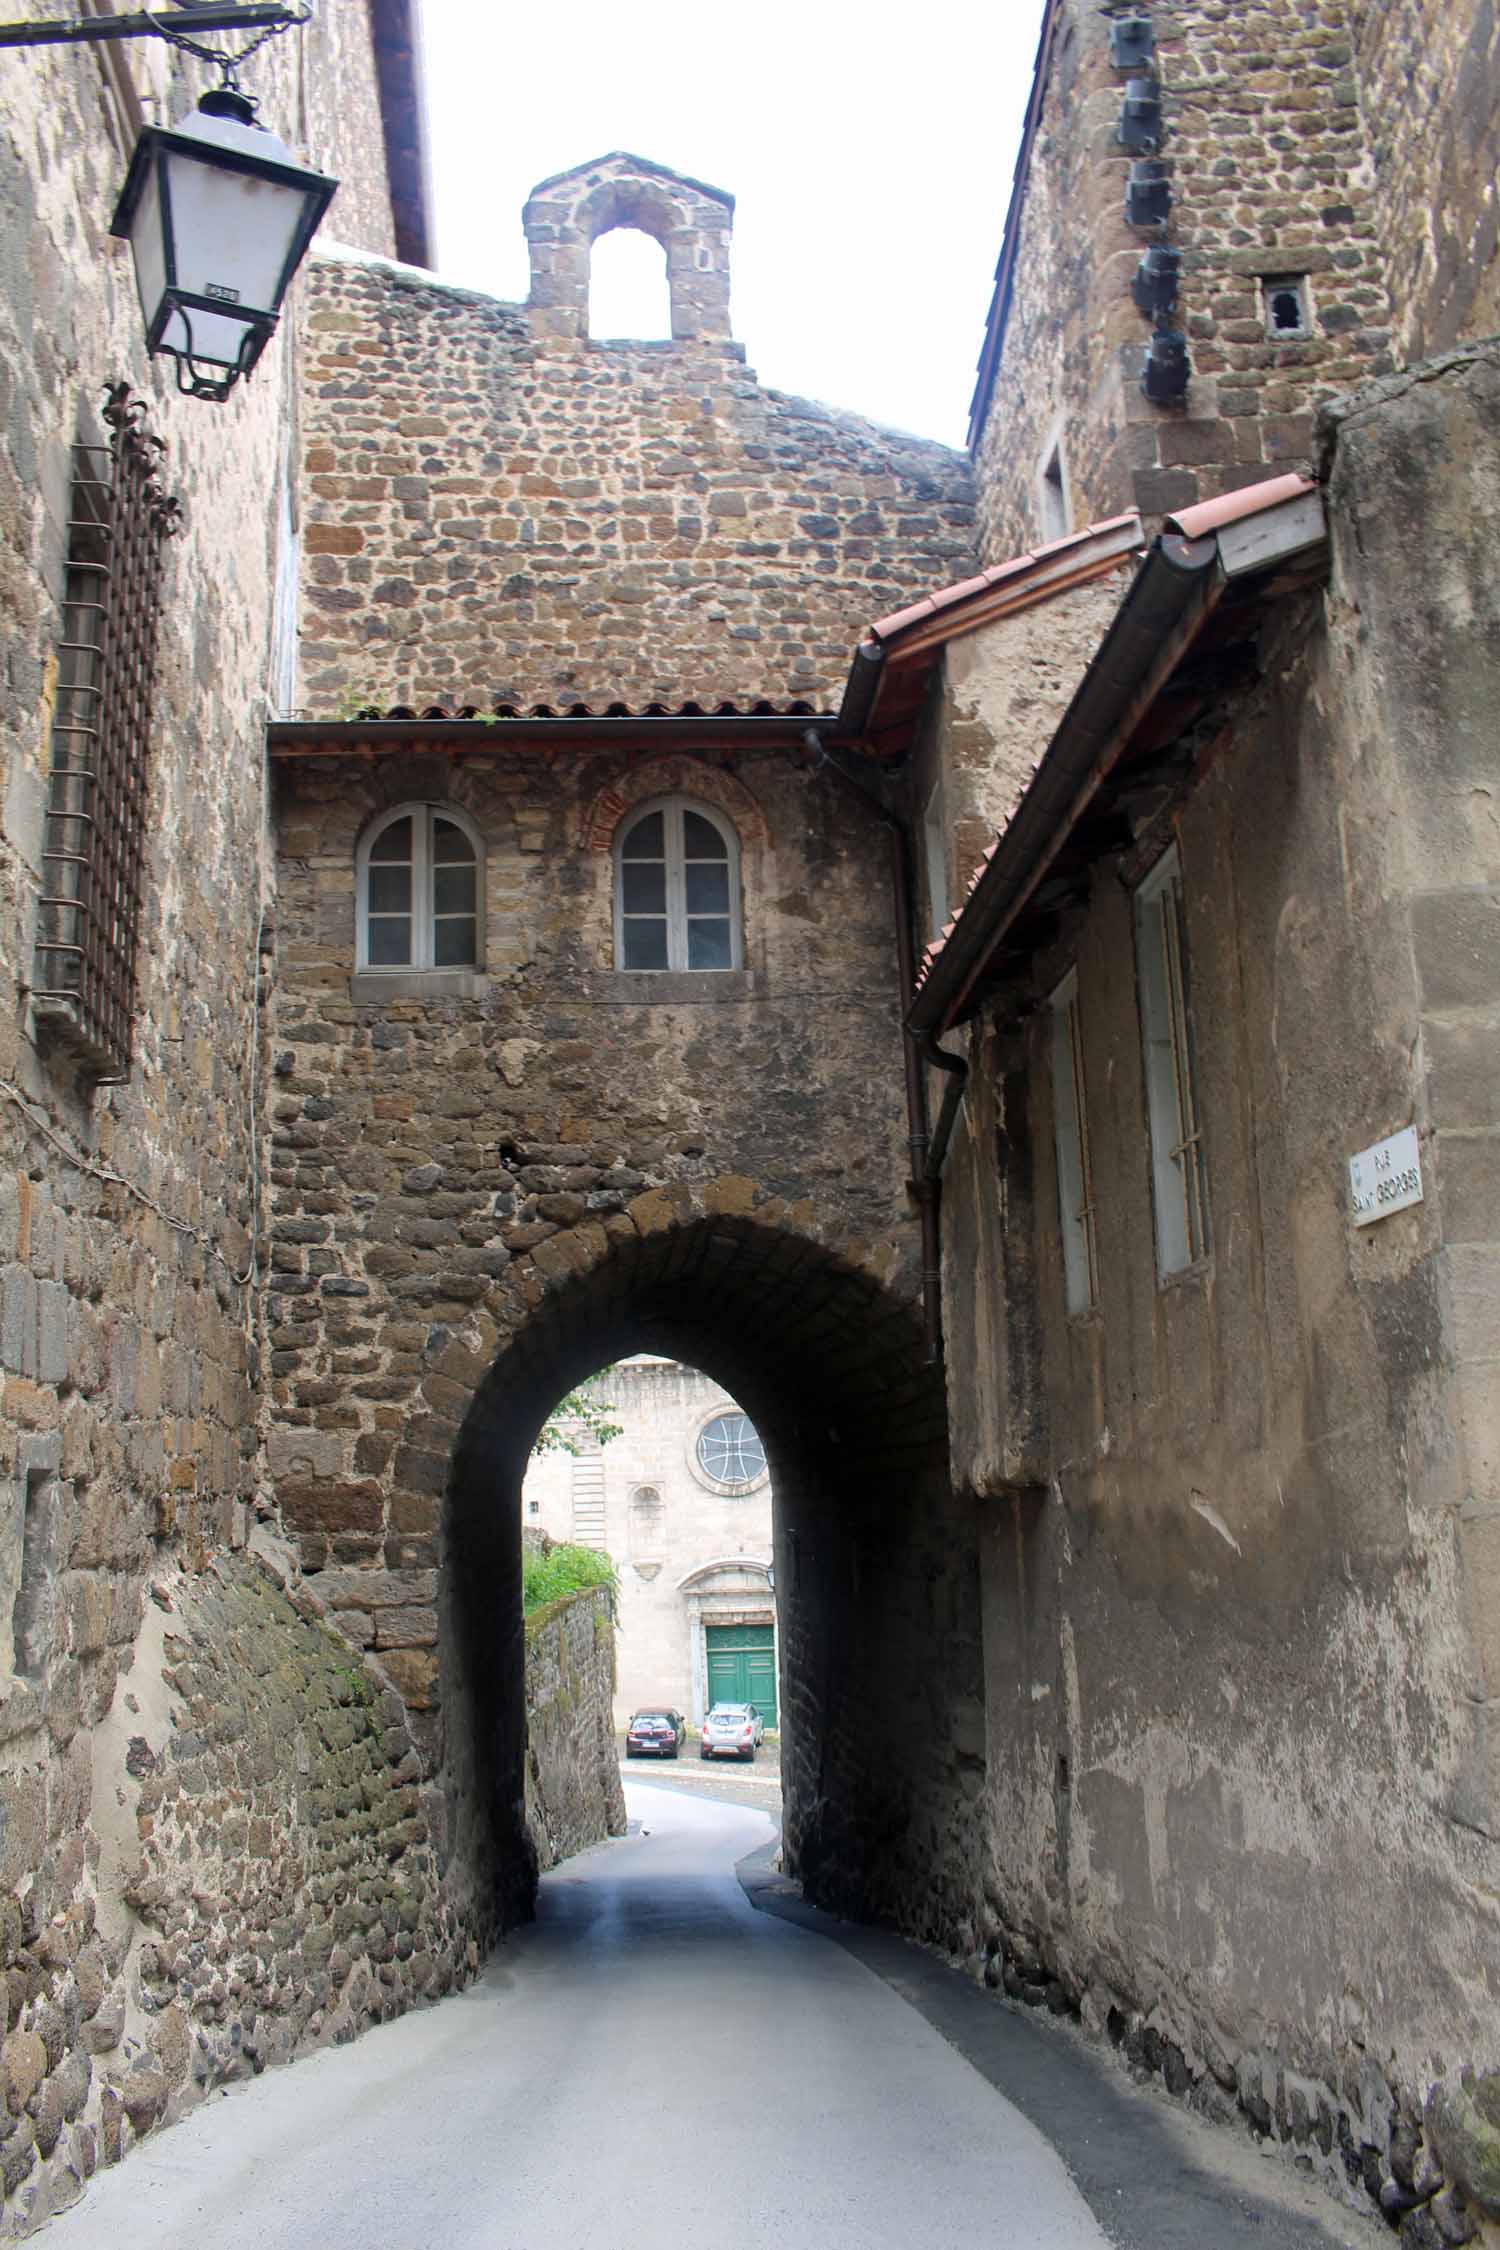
652	2064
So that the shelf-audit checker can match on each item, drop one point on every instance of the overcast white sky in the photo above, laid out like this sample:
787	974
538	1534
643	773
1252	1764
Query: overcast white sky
870	151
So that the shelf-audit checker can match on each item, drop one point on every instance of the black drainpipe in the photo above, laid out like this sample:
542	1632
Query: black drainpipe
942	1058
924	1186
927	1153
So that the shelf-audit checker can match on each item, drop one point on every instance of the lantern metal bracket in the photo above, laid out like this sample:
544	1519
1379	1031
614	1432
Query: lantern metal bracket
177	25
191	380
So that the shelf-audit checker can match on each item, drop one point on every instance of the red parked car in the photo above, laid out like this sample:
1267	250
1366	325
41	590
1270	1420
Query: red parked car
655	1734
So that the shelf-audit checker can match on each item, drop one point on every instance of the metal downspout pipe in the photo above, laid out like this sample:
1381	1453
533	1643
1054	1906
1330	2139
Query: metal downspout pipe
942	1058
924	1188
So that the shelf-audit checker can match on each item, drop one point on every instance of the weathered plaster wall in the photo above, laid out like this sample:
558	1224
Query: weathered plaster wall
573	1791
495	514
1422	449
1003	691
1429	76
1242	1800
128	1342
1270	175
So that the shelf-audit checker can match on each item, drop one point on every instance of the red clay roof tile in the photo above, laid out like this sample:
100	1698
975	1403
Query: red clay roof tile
964	590
1232	507
756	708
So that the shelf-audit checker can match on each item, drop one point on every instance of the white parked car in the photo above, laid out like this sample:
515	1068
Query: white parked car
731	1730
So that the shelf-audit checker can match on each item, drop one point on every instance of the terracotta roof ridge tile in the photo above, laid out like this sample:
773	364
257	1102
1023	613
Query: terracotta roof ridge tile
933	950
1198	522
742	707
1015	566
1232	507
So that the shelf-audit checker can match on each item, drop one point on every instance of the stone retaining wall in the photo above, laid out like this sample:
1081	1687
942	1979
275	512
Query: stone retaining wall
261	1878
573	1791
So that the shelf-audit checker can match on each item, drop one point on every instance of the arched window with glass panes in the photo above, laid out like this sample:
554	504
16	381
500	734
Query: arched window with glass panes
677	888
418	874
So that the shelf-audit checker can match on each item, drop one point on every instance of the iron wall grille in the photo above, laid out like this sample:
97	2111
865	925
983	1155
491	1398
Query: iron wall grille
94	848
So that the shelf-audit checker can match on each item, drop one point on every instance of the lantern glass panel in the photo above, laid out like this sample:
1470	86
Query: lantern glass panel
231	232
146	246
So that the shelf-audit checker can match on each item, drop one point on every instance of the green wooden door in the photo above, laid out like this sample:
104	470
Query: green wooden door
742	1667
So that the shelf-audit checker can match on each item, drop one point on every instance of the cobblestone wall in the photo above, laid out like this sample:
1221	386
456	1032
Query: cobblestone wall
574	1795
261	1880
493	514
498	510
482	1197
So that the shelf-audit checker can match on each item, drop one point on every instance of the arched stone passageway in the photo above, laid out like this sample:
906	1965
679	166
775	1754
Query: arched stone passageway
877	1577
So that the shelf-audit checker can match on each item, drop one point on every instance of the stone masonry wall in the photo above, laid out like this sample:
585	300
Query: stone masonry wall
432	1153
128	1346
498	515
573	1792
338	122
482	1196
1268	159
1429	75
482	1188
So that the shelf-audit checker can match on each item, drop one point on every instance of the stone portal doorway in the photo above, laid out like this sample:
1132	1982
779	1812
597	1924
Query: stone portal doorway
876	1570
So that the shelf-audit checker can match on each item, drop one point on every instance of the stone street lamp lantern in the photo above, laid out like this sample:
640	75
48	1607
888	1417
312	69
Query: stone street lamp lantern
218	216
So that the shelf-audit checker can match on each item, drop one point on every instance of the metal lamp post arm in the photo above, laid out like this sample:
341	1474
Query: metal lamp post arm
177	25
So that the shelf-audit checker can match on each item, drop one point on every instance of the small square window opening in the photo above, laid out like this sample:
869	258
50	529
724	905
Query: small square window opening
1284	302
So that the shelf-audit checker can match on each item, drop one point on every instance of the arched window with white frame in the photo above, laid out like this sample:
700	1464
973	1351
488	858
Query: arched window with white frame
418	876
677	888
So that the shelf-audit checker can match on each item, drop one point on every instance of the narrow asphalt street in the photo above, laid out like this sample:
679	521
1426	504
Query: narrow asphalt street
655	2063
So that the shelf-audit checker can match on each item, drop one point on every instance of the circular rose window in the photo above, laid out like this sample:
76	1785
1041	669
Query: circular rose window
727	1454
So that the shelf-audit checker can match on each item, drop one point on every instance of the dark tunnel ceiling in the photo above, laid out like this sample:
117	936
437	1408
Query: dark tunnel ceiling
813	1350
